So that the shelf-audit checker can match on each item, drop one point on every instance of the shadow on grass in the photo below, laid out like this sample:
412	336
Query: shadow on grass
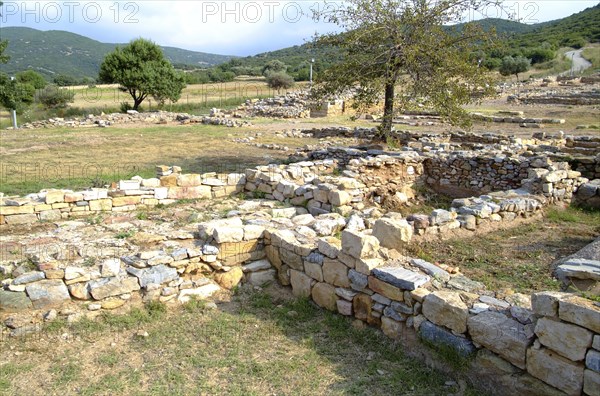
260	343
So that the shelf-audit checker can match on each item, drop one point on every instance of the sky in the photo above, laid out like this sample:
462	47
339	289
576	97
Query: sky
226	27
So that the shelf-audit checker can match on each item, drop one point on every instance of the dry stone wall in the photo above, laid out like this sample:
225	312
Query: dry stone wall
134	117
329	245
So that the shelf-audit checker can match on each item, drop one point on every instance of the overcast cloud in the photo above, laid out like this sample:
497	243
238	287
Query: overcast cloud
223	27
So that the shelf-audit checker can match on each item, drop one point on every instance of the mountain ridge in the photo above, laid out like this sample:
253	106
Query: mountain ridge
51	53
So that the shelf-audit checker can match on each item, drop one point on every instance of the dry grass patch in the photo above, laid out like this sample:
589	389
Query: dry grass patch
259	343
518	258
79	158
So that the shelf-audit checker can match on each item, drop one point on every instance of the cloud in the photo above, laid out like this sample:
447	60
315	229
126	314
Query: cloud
243	27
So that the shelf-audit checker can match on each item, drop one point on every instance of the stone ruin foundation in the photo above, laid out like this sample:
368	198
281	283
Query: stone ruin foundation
321	227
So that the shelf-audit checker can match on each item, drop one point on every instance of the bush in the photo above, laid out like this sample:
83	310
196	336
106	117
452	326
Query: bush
540	55
576	42
64	81
280	81
53	97
32	78
125	107
492	63
274	66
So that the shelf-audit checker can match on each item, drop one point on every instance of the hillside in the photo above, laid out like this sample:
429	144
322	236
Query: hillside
58	52
561	32
571	31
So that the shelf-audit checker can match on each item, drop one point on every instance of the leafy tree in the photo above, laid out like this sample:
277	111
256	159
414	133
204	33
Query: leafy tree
15	95
54	97
141	69
514	65
280	81
3	45
400	48
540	55
274	66
64	81
32	78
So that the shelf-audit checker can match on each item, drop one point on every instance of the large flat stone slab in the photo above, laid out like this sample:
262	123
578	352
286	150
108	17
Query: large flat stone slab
431	269
114	286
580	311
400	277
445	308
154	275
48	293
501	334
579	269
13	301
555	370
440	336
568	340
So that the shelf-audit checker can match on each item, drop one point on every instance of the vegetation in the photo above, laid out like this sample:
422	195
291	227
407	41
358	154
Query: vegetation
15	95
141	70
274	66
260	343
519	258
36	80
53	97
279	81
515	65
403	45
57	52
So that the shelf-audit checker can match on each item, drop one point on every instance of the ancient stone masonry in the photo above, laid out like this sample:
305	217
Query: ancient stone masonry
321	227
582	97
133	117
290	105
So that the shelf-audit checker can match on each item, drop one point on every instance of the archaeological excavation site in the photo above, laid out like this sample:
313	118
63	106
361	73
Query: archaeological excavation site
338	224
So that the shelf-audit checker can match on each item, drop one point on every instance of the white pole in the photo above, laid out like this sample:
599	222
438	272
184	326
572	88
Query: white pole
14	118
311	69
13	113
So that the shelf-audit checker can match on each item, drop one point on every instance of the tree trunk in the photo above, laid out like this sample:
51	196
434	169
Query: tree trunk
137	102
385	129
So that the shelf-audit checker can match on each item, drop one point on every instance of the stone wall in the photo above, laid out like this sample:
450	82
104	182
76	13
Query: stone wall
133	117
546	343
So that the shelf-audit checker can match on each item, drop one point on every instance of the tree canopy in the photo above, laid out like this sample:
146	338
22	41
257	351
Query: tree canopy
399	49
142	70
273	66
14	95
514	65
32	78
279	81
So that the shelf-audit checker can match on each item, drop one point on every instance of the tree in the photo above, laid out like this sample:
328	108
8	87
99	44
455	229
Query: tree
141	69
514	65
15	95
64	81
540	55
32	78
401	49
3	44
274	66
280	81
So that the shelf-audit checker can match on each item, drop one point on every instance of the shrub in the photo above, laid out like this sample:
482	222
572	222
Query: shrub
53	97
125	107
32	78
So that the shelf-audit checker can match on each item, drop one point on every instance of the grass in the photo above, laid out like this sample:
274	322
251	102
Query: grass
82	158
556	66
518	258
259	343
592	54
